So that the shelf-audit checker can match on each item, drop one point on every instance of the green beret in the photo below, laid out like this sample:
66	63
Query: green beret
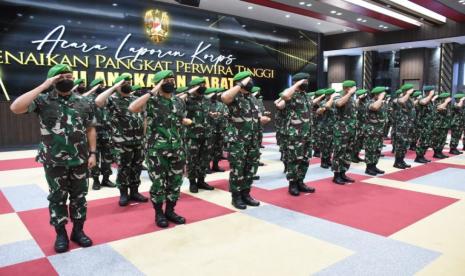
361	92
136	87
242	75
210	92
221	89
162	75
181	89
428	88
58	69
196	81
281	94
459	95
444	95
300	76
124	76
255	89
329	91
349	83
311	94
78	81
96	81
399	91
416	93
406	87
320	92
378	90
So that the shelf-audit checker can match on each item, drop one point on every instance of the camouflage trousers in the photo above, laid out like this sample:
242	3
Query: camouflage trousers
326	142
299	152
198	156
217	142
360	140
129	159
104	158
424	139
283	147
439	138
343	143
243	156
373	143
413	134
401	141
63	181
387	126
456	134
165	169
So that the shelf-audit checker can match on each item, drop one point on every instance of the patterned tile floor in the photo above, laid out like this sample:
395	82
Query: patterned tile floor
402	223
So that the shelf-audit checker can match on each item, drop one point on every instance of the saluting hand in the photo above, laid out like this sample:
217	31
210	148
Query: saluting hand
51	81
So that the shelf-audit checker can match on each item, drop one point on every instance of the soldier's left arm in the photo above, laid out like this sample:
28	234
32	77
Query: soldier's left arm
92	141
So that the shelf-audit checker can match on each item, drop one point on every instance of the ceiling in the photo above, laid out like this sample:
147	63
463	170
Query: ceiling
338	16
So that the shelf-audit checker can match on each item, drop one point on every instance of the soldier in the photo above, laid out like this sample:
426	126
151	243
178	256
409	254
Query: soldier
127	135
198	136
218	122
258	101
298	129
244	149
104	143
374	130
425	116
457	124
281	137
413	130
79	86
326	125
403	106
316	121
344	131
165	152
67	150
441	124
388	112
361	106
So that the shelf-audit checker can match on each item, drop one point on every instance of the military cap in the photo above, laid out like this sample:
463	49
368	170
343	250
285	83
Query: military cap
221	89
428	88
136	87
300	76
311	94
281	94
348	83
58	69
96	81
242	75
444	95
399	91
459	95
320	92
378	90
329	91
124	76
361	92
162	75
196	81
255	89
210	92
416	93
406	87
78	81
181	89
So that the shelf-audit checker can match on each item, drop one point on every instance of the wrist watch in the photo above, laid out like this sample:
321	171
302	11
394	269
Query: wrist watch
92	152
240	84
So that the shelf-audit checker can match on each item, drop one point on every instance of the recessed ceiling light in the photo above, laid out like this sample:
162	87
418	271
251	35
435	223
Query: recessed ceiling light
344	30
364	20
309	5
208	19
381	26
359	19
243	26
319	23
302	3
114	5
385	27
250	7
339	13
288	15
274	31
333	11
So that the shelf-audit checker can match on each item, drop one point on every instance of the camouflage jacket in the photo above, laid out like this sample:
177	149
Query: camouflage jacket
243	120
279	119
375	118
425	114
299	109
218	123
458	117
102	114
164	124
403	115
127	127
63	127
197	108
441	117
345	117
362	111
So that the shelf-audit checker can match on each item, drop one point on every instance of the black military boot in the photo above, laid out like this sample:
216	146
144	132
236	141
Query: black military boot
123	198
398	163
443	155
171	215
355	158
62	241
346	178
216	168
438	155
454	151
201	184
420	159
317	153
136	196
193	186
370	170
285	167
78	236
261	164
247	199
256	177
413	146
338	179
304	188
160	219
324	163
293	188
107	182
96	184
405	164
237	201
378	170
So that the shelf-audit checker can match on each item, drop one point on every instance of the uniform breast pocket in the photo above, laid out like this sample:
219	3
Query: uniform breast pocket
50	117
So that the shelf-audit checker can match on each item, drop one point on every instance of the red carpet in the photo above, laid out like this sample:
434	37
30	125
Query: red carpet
39	267
411	155
17	164
373	208
108	222
5	206
408	174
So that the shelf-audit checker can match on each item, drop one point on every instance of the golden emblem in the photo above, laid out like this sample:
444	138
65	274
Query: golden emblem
156	25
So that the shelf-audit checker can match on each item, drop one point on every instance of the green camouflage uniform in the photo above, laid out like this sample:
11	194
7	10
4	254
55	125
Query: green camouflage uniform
403	121
165	152
343	135
281	137
198	136
244	148
261	109
325	134
219	128
64	152
441	125
298	129
127	136
389	121
360	129
425	118
457	125
374	132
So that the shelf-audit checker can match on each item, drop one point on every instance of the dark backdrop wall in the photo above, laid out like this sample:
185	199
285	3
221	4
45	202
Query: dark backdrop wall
102	39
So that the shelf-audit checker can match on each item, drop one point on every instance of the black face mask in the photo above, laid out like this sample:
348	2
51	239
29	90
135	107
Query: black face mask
99	90
64	85
81	90
304	86
168	87
201	90
249	86
126	88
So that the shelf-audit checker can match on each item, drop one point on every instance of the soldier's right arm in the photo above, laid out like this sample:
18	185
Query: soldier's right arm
427	99
101	99
287	94
405	98
25	102
139	104
280	103
229	95
88	93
